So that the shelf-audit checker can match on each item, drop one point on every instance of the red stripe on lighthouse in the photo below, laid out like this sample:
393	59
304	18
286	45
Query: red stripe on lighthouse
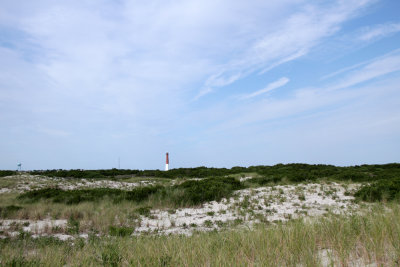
167	159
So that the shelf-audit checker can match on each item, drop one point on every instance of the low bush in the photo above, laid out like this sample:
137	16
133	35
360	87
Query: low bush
120	231
191	192
141	193
96	194
294	172
145	211
4	173
196	192
388	189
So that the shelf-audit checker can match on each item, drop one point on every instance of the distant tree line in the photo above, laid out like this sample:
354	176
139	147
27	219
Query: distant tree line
295	172
6	173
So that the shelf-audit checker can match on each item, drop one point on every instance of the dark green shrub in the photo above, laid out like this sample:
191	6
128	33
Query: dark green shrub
81	195
354	176
196	192
73	226
302	176
381	190
296	172
141	193
145	211
7	173
120	231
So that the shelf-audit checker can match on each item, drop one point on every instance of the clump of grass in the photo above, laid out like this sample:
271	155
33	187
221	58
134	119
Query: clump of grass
120	231
110	256
8	210
73	226
22	261
208	223
145	211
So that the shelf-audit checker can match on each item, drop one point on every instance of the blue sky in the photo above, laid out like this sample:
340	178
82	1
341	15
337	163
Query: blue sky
214	83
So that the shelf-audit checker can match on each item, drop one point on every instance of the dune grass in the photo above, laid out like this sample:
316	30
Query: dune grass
371	237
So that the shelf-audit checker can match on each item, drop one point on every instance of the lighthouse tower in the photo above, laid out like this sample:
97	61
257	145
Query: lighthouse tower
166	162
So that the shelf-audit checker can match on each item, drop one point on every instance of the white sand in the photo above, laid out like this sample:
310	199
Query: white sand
279	203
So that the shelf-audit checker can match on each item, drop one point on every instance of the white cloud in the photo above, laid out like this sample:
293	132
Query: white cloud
272	86
133	52
376	68
93	71
287	40
379	31
310	100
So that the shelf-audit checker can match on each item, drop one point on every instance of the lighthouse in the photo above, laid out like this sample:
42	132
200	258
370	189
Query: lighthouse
166	162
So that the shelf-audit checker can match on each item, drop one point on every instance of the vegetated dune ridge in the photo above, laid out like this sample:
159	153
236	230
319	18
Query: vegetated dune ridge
36	208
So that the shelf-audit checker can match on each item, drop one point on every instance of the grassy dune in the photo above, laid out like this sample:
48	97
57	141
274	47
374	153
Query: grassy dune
262	219
372	236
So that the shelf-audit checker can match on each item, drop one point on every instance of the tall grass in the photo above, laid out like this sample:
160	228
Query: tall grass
372	237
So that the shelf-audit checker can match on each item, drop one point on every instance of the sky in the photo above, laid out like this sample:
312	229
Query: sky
215	83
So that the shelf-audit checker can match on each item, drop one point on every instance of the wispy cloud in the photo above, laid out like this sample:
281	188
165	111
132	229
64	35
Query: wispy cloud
99	78
308	100
359	65
379	67
286	40
272	86
379	31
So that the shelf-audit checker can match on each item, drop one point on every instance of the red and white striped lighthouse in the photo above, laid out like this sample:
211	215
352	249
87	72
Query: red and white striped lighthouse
166	162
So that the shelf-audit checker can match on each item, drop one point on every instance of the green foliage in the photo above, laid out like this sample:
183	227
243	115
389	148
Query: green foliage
110	256
21	261
211	188
295	172
96	194
4	173
374	234
140	193
8	210
188	193
145	211
73	226
120	231
382	190
196	192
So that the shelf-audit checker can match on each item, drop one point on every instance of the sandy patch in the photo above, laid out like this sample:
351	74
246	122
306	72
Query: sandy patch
249	206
